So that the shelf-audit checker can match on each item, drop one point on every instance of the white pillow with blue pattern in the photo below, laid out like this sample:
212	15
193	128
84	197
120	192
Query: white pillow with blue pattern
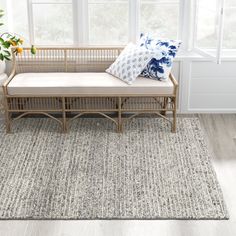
130	63
159	66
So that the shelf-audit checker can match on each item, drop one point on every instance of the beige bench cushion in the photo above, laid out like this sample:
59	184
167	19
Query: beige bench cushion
83	84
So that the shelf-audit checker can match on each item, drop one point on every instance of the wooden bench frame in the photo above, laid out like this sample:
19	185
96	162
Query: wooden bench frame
81	60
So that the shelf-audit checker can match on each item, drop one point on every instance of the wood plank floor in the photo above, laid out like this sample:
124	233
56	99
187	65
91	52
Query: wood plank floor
221	135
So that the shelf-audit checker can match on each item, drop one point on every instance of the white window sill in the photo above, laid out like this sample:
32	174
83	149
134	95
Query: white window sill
227	55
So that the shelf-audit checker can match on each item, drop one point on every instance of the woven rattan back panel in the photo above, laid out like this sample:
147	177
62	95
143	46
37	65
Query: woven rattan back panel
66	60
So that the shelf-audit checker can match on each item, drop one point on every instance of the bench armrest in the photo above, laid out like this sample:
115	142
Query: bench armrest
6	82
175	83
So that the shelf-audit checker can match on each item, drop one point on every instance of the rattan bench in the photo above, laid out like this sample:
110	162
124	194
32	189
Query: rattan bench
72	82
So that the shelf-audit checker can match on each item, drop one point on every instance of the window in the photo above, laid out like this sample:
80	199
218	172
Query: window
160	17
93	22
204	26
17	17
207	24
215	23
3	20
55	25
229	40
108	22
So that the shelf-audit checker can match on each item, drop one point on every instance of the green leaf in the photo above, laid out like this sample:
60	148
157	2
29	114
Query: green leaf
1	41
6	44
7	58
1	57
7	53
1	15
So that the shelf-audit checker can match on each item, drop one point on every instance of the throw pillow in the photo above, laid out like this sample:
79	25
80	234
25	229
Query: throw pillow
130	63
159	66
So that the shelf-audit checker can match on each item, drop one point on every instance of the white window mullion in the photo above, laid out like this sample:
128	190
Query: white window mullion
81	24
134	20
75	5
194	25
221	32
186	24
181	19
85	23
30	21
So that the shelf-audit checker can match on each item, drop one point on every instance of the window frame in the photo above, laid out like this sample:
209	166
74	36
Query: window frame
81	18
229	49
180	7
130	20
31	26
219	50
187	28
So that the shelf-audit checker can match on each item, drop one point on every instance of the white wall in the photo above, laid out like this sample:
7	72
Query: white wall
206	87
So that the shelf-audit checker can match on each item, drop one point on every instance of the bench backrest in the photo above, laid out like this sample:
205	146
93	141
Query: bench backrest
65	59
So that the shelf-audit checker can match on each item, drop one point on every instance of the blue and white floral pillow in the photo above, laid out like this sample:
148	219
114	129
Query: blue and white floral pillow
166	49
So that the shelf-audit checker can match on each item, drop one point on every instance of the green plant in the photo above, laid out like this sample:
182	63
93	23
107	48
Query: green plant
10	41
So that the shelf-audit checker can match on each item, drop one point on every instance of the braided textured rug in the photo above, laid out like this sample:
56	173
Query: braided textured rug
94	173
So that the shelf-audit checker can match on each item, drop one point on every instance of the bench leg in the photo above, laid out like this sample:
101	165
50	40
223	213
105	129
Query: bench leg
64	127
173	129
7	116
119	125
164	106
64	123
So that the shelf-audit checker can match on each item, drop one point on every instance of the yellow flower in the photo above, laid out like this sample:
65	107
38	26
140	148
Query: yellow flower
21	41
13	43
19	50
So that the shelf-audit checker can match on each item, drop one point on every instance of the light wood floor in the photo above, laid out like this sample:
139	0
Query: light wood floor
221	134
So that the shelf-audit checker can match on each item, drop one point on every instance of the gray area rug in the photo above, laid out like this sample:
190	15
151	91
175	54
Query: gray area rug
94	173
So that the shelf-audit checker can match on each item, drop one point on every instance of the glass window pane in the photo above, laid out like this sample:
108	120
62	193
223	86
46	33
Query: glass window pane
160	18
19	19
230	28
55	25
3	19
207	24
230	3
108	22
